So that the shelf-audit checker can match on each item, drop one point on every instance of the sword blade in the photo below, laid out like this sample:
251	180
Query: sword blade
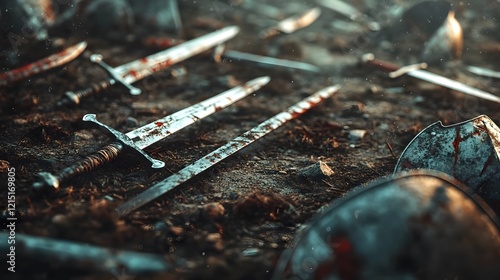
451	84
43	64
143	67
225	151
159	129
265	61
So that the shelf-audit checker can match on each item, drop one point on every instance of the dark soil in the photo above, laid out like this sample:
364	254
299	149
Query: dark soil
234	220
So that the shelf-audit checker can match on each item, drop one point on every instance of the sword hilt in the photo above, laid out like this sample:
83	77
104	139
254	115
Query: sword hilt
48	181
97	58
74	98
91	162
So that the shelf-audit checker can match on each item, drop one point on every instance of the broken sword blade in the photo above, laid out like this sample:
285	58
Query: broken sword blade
431	78
265	61
225	151
292	24
146	135
42	65
138	69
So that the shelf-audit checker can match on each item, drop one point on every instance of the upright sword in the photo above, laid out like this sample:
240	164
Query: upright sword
138	69
142	137
225	151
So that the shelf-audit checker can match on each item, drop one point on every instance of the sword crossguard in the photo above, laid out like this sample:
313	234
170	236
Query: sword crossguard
97	59
123	139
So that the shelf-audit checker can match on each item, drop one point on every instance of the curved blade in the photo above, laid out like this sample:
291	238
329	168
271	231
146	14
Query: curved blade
468	151
159	129
295	23
140	68
43	64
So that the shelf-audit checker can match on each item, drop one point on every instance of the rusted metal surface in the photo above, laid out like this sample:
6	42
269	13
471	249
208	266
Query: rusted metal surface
42	65
392	226
138	69
225	151
71	256
468	151
431	78
292	24
138	139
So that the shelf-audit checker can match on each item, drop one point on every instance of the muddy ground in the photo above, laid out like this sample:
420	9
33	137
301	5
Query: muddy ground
234	220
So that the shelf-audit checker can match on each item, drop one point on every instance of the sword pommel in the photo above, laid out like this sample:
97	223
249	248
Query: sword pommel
123	139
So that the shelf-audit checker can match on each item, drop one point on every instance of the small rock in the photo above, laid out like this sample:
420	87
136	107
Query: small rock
317	171
215	211
131	122
178	231
60	219
356	134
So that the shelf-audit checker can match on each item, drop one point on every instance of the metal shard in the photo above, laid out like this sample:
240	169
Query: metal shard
265	61
225	151
468	151
42	65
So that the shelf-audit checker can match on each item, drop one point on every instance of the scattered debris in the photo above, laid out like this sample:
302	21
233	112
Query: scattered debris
221	56
133	71
142	137
228	149
317	171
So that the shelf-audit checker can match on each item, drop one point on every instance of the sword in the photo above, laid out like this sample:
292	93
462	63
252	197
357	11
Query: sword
432	78
292	24
133	71
483	72
43	64
225	151
142	137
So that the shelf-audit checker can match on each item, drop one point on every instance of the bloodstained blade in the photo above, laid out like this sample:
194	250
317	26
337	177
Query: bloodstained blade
292	24
225	151
138	139
42	65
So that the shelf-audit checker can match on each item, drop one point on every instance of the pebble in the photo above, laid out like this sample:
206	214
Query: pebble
317	171
356	134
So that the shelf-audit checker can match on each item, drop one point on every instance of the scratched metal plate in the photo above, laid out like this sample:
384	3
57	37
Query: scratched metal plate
405	227
468	151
